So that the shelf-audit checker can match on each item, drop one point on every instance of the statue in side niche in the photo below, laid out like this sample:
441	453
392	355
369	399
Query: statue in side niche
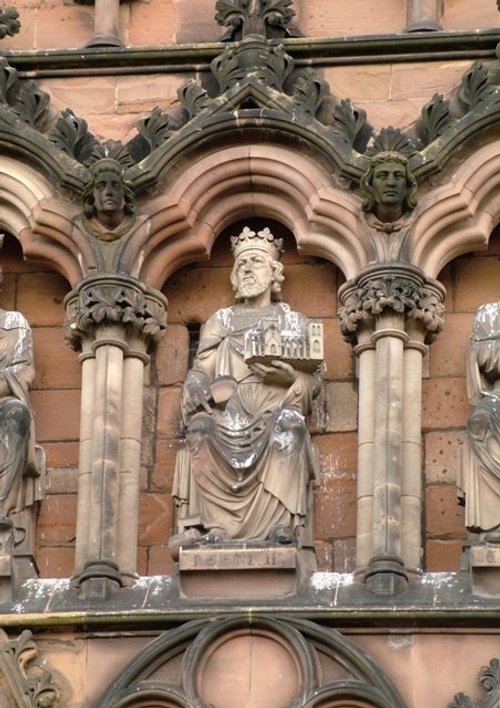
389	196
20	462
479	478
108	202
248	466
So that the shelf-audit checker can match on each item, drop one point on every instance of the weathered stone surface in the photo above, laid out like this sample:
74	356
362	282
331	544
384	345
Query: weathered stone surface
40	298
56	365
442	454
57	520
444	403
445	518
448	352
57	414
342	407
443	555
152	24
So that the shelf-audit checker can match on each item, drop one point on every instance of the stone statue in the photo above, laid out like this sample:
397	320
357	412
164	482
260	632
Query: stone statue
108	201
479	478
20	471
248	465
389	196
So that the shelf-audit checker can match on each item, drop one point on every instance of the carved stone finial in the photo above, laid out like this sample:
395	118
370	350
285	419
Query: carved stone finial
244	17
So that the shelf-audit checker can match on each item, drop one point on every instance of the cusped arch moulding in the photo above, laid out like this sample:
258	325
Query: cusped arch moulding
270	181
273	662
459	216
40	220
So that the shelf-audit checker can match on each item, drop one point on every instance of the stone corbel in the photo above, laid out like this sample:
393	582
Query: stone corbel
112	320
390	314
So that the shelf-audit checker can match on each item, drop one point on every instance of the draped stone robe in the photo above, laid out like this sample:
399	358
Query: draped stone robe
248	465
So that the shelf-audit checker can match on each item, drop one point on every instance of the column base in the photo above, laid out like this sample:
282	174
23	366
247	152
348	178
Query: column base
108	40
386	576
99	580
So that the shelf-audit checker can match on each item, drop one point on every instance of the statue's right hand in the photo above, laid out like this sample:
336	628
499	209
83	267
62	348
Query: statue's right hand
195	396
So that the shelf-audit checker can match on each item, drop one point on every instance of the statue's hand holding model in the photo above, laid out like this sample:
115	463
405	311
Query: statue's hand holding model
248	464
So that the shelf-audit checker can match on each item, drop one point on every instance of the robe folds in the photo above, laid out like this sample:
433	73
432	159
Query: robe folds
248	464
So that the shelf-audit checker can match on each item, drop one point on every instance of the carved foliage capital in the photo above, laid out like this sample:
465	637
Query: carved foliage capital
28	685
102	301
408	293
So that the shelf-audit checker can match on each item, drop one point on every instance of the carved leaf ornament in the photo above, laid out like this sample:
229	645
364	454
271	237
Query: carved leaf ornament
489	676
28	685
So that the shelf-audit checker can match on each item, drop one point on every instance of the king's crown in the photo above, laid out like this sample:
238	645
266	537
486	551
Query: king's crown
262	240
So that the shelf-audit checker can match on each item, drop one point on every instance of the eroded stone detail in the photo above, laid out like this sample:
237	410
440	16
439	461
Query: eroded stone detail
20	681
489	677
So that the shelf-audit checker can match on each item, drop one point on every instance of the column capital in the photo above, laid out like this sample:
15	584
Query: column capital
114	307
399	289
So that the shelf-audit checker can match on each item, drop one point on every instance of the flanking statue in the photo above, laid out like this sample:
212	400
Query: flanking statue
21	464
479	479
248	465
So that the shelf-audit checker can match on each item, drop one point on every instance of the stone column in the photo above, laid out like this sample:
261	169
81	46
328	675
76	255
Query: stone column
388	314
112	319
106	23
424	15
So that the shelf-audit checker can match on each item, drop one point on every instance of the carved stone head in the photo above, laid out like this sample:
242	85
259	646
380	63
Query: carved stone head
388	187
107	196
256	266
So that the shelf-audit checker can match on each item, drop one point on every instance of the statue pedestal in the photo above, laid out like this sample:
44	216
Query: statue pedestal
238	572
485	569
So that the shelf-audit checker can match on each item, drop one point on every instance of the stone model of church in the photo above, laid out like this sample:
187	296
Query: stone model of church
302	348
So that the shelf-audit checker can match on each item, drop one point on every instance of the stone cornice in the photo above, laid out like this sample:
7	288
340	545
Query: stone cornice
307	51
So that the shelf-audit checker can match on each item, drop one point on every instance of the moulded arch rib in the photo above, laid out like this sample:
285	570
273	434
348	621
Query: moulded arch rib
238	182
40	221
459	217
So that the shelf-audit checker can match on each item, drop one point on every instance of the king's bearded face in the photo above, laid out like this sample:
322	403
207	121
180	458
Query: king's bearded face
252	274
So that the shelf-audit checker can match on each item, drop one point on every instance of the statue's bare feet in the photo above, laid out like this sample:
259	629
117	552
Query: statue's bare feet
212	537
282	535
182	540
492	536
